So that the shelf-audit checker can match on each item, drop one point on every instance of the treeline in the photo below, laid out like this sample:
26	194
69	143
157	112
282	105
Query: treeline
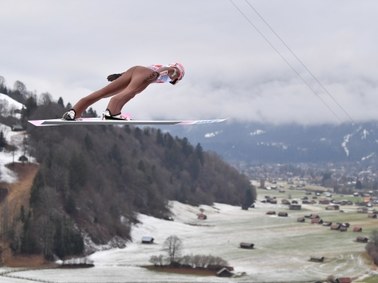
92	181
19	91
173	245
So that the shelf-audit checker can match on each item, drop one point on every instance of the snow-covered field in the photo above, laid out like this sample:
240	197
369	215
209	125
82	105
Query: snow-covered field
282	249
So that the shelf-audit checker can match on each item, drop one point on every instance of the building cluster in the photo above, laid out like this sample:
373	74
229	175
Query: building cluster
341	178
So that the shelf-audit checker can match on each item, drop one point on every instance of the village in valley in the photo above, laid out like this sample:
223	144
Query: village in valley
335	198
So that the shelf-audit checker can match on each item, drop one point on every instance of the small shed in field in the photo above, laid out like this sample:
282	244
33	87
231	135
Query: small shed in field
344	280
224	272
317	258
362	210
324	201
335	226
295	207
332	207
244	245
362	239
316	221
343	228
312	216
202	216
285	201
357	229
283	214
147	240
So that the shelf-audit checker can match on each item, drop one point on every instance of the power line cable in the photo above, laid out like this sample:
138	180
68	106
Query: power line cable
287	62
300	61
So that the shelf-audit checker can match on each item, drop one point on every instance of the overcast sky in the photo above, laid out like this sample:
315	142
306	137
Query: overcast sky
235	67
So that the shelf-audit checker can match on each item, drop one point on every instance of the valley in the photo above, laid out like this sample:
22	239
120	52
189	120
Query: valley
282	251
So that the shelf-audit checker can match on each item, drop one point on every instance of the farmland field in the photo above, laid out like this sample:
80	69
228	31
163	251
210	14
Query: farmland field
282	250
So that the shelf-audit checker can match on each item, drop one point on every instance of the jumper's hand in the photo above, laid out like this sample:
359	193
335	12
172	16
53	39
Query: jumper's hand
113	77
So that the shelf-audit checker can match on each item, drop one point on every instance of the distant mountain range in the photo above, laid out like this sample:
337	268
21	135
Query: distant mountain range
290	143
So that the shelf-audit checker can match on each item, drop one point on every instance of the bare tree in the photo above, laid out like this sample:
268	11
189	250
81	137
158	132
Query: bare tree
4	107
173	246
203	261
157	260
20	86
186	260
46	98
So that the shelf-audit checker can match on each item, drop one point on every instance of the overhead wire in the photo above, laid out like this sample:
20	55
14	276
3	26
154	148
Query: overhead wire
288	63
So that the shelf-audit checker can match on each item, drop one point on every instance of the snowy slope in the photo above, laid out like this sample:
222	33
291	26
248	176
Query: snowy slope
10	101
6	157
8	105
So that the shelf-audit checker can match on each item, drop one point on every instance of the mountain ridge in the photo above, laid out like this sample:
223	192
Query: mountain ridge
290	143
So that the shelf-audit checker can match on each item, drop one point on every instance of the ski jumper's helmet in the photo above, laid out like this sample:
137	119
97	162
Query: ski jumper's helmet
181	69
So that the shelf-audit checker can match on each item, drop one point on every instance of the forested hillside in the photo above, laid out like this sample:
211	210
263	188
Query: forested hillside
93	180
